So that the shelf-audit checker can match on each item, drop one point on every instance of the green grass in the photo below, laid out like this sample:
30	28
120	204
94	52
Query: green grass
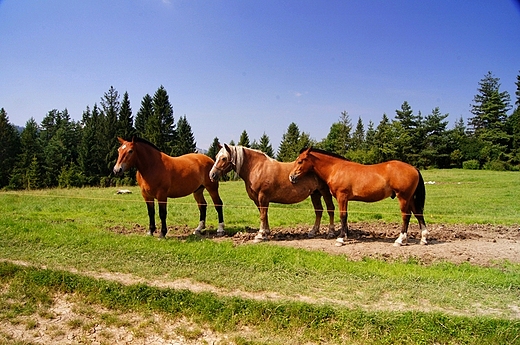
288	322
66	229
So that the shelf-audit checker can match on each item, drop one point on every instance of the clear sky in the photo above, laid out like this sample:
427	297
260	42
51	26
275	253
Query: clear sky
235	65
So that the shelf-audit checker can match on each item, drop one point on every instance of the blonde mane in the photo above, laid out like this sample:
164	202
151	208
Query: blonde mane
238	152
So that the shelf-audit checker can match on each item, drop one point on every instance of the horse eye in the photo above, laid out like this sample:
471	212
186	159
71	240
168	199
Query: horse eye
130	151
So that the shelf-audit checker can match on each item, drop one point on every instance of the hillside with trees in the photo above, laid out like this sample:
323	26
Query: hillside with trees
61	152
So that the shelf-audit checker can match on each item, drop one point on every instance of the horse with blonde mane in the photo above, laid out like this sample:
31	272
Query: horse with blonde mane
353	181
266	181
161	177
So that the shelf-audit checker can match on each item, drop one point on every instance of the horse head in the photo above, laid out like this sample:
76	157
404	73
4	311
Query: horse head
301	165
125	159
225	161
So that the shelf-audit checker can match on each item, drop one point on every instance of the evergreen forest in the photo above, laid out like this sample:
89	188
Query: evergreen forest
61	152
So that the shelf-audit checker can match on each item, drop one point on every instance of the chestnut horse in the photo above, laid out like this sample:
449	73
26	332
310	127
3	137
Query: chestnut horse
160	177
353	181
266	181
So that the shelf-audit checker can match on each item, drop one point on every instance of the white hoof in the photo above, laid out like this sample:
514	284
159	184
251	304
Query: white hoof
220	230
197	232
259	239
340	241
401	240
424	235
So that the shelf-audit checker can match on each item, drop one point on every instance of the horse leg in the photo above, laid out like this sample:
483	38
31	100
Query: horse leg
162	214
217	202
422	224
343	215
318	210
151	215
327	197
264	223
203	206
402	240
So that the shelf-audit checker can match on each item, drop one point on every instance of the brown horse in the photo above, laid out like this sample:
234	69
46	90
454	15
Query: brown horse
160	177
353	181
266	181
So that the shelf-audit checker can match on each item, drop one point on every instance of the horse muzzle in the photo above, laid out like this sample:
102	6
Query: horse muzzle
118	169
214	174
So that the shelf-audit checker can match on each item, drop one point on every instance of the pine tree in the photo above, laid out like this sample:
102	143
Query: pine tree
436	142
91	158
185	141
144	113
288	146
385	139
358	137
30	154
160	127
488	123
513	127
214	148
409	143
9	148
125	121
110	109
265	146
244	139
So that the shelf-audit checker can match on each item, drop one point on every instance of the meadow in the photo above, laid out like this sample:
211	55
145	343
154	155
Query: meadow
69	242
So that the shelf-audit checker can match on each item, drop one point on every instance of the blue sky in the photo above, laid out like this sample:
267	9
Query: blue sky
257	66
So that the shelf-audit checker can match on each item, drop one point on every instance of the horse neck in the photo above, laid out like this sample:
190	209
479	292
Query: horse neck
245	161
323	165
145	157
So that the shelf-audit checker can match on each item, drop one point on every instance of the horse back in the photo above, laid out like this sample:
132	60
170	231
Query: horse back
182	175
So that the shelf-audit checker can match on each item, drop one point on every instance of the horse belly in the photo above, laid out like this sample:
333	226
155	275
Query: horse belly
370	191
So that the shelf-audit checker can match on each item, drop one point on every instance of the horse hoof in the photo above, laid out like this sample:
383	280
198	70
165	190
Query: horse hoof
197	232
424	243
221	233
340	242
260	239
397	244
311	235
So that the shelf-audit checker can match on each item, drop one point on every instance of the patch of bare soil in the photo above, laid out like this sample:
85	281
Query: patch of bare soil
479	244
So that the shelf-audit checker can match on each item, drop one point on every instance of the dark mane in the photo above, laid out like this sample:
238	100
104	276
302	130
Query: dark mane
144	141
327	153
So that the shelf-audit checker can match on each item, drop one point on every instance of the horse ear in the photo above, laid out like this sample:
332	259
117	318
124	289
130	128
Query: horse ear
121	140
227	148
306	150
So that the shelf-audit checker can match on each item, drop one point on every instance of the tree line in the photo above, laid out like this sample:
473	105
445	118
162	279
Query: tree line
61	152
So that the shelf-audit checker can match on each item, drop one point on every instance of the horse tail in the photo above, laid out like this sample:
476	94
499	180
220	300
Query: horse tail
419	196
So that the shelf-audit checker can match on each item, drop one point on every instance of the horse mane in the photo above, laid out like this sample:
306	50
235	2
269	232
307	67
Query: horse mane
144	141
239	156
327	153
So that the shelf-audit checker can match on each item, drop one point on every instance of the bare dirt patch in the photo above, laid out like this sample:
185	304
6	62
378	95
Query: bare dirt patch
479	244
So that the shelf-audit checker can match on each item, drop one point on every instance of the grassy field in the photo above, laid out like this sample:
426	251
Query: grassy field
59	231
